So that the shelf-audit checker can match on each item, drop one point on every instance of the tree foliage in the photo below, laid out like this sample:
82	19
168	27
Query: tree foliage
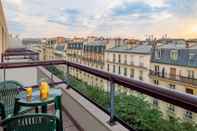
135	110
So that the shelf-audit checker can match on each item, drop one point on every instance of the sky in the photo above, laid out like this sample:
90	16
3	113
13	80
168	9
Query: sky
107	18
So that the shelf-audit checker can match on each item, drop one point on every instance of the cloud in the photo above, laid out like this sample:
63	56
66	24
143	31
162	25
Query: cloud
136	8
183	8
65	17
16	27
111	18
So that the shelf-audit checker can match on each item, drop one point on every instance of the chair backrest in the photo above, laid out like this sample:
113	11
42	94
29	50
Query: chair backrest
31	122
8	92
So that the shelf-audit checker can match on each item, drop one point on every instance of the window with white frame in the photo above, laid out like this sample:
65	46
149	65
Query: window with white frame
191	74
141	60
125	59
114	69
119	58
119	70
131	60
158	54
141	75
156	82
172	86
174	55
132	71
125	71
171	107
114	58
188	114
191	56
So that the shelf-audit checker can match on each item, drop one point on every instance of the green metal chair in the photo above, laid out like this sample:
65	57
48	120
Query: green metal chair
58	112
32	122
8	92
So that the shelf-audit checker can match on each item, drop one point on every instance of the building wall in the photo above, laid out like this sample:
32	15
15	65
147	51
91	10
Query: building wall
3	31
91	57
177	84
14	42
136	65
180	70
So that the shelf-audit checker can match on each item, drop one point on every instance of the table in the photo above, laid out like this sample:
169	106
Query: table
23	101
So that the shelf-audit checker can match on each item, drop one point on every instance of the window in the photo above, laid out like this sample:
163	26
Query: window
119	70
108	67
191	56
163	72
132	71
180	73
172	86
114	58
141	76
158	54
114	69
156	70
171	108
131	60
188	114
173	73
155	102
125	71
174	55
119	58
156	82
125	59
191	74
189	91
141	59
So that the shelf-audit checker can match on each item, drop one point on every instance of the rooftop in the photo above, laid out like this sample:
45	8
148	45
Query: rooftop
140	49
60	47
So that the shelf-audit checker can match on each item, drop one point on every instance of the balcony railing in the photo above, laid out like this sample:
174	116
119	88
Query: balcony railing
174	77
185	101
20	53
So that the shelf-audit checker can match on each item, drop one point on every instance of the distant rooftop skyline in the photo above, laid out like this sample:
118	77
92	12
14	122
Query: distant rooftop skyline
108	18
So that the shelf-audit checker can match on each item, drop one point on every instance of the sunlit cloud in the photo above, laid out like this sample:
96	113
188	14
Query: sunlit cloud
110	18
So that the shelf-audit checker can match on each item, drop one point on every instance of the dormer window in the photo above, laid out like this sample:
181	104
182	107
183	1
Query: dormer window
158	54
191	56
174	55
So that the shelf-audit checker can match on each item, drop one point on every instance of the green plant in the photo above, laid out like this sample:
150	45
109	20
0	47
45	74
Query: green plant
135	110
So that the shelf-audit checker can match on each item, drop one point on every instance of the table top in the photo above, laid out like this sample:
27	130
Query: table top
35	100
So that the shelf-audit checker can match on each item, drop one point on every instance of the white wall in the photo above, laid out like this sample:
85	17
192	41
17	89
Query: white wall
26	76
14	42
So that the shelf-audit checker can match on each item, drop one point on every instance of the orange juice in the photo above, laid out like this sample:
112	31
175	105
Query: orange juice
29	91
29	98
44	90
44	94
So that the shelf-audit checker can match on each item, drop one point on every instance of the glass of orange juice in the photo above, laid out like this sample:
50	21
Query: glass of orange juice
44	90
29	91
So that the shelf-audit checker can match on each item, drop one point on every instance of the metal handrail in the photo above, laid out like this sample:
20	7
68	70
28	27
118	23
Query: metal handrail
183	100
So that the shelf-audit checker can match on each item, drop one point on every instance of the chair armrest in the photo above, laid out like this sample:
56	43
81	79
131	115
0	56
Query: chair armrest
57	114
2	110
58	120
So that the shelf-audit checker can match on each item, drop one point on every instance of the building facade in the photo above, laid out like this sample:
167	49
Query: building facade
133	63
49	46
168	63
3	31
174	66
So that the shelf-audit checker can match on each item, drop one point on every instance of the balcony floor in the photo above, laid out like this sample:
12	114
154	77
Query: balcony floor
68	124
